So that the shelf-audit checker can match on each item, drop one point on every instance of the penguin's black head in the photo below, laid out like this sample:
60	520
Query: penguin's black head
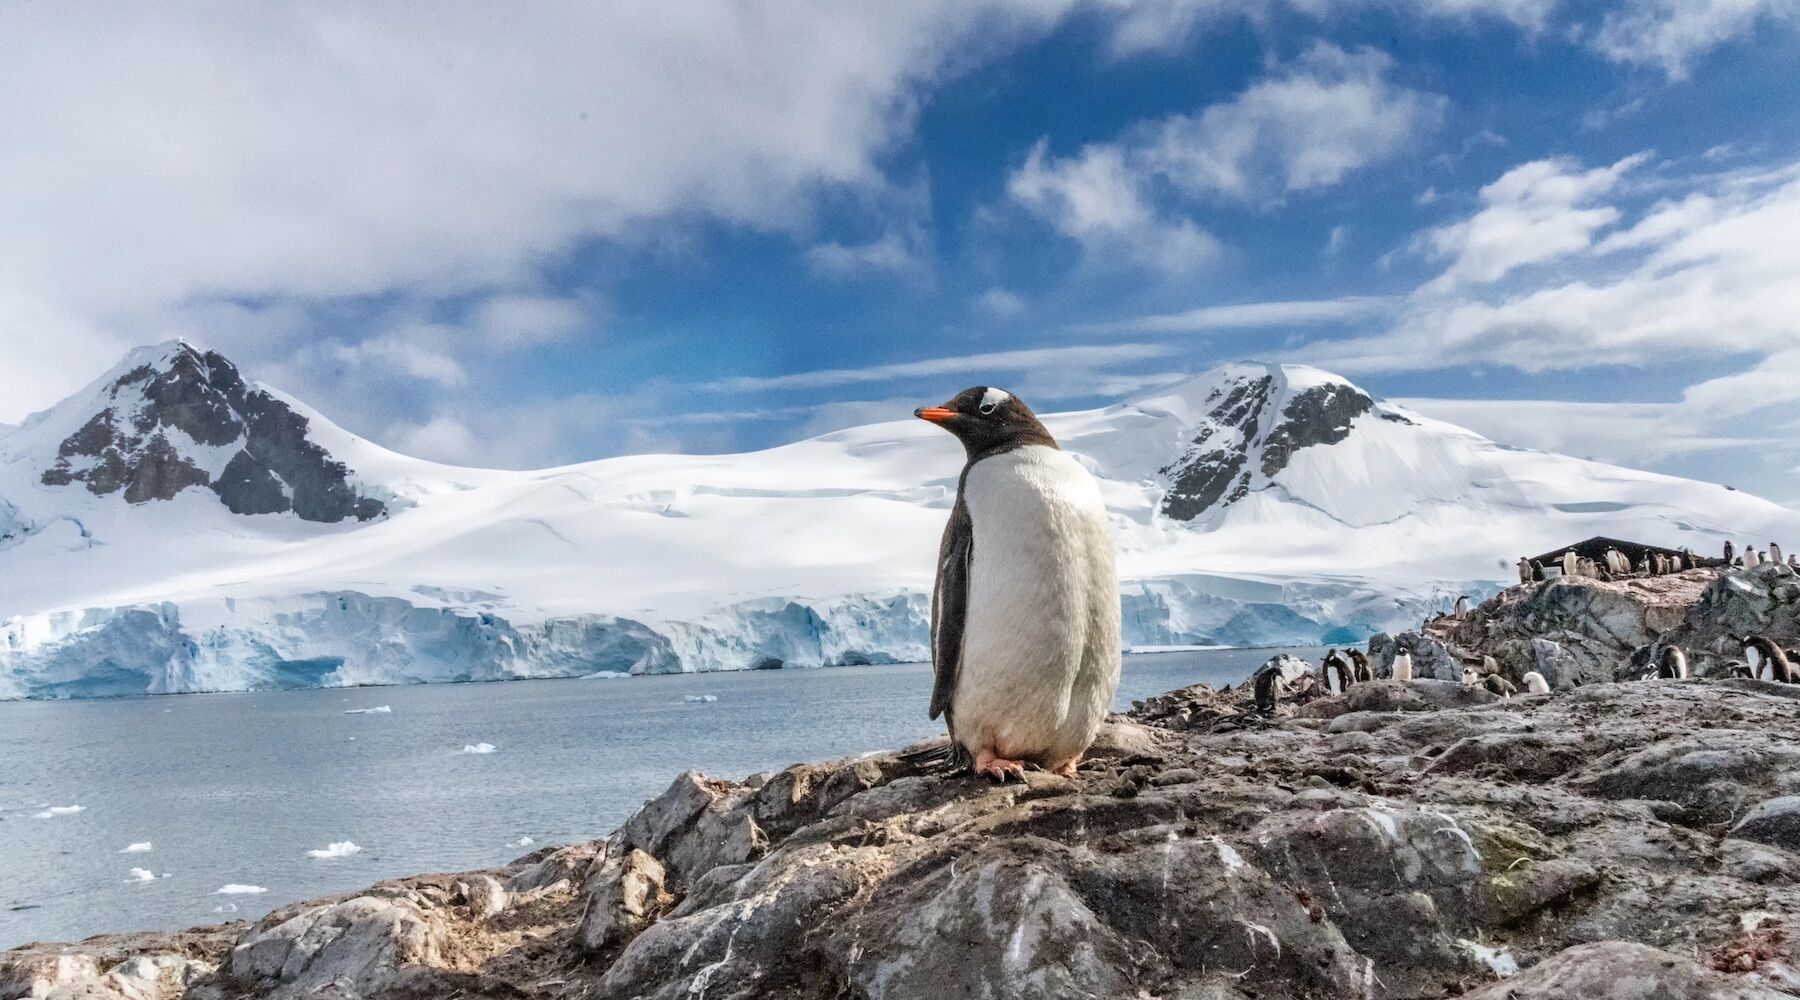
987	421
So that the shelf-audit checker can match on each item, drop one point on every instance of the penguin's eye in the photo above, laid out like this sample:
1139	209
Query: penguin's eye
987	408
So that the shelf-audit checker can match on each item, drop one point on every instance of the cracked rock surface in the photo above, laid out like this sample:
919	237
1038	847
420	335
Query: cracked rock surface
1625	841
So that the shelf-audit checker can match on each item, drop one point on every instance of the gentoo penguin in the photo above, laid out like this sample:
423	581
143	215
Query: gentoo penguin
1766	660
1775	553
1461	610
1524	570
1025	613
1470	676
1359	666
1752	558
1535	683
1499	685
1729	551
1671	664
1402	670
1794	560
1337	672
1571	563
1677	564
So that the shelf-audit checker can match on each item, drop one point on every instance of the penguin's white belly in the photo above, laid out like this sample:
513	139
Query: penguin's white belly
1040	657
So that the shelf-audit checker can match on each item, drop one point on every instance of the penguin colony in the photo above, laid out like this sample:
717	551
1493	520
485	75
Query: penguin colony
1613	565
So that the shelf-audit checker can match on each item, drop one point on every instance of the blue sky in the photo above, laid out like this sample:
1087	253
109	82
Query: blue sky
527	237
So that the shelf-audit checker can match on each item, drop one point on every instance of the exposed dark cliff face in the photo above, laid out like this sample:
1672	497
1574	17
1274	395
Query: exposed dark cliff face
1209	466
1216	468
1320	415
130	445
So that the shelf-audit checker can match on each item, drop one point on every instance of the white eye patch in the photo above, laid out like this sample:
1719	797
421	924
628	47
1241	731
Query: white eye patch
992	398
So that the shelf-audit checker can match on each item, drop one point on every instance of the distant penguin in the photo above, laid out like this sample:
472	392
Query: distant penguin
1403	666
1616	563
1524	570
1647	565
1489	665
1461	611
1337	671
1268	689
1752	558
1571	563
1359	666
1766	660
1671	664
1677	564
1535	683
1025	611
1729	551
1794	560
1775	553
1499	685
1470	676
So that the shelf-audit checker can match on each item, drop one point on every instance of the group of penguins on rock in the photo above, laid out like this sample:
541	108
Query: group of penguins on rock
1762	659
1613	565
1752	556
1343	668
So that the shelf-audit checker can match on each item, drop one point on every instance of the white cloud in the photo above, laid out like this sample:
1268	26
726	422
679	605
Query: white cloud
412	352
1101	201
890	253
966	364
1165	25
517	320
1306	126
1671	34
1535	212
440	439
1001	303
1244	315
155	158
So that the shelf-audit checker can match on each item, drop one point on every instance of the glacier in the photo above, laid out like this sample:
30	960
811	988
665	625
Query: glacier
1252	504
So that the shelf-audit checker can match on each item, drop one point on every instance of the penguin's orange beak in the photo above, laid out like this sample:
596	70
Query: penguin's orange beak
935	414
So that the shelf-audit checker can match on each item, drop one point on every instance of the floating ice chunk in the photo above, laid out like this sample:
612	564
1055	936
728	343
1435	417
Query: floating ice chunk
698	699
604	675
54	811
377	710
225	908
479	748
336	849
522	842
142	875
136	847
238	889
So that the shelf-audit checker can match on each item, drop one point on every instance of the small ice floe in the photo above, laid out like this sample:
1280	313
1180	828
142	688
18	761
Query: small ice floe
336	849
141	875
225	908
136	847
54	811
479	748
377	710
238	889
700	699
522	842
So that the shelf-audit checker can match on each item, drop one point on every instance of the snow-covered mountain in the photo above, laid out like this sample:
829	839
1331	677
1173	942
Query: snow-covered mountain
173	527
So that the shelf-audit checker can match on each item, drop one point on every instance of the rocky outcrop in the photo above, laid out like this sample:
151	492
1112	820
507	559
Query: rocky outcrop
1585	631
191	403
1627	841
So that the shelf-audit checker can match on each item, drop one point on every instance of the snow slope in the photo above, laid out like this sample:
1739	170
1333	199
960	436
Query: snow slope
1252	504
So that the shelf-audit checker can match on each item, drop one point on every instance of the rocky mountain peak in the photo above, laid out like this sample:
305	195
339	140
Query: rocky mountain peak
1248	422
173	416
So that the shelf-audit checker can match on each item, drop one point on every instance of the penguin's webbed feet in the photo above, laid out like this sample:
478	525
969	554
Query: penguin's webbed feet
998	768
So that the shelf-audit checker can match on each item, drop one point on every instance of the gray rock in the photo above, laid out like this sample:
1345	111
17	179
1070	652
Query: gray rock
356	948
1623	970
621	896
1775	822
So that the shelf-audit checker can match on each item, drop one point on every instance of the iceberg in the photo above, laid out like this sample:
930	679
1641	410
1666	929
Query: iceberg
336	849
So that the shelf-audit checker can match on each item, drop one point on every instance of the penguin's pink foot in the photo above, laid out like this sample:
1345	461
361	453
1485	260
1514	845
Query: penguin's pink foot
998	768
1067	767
